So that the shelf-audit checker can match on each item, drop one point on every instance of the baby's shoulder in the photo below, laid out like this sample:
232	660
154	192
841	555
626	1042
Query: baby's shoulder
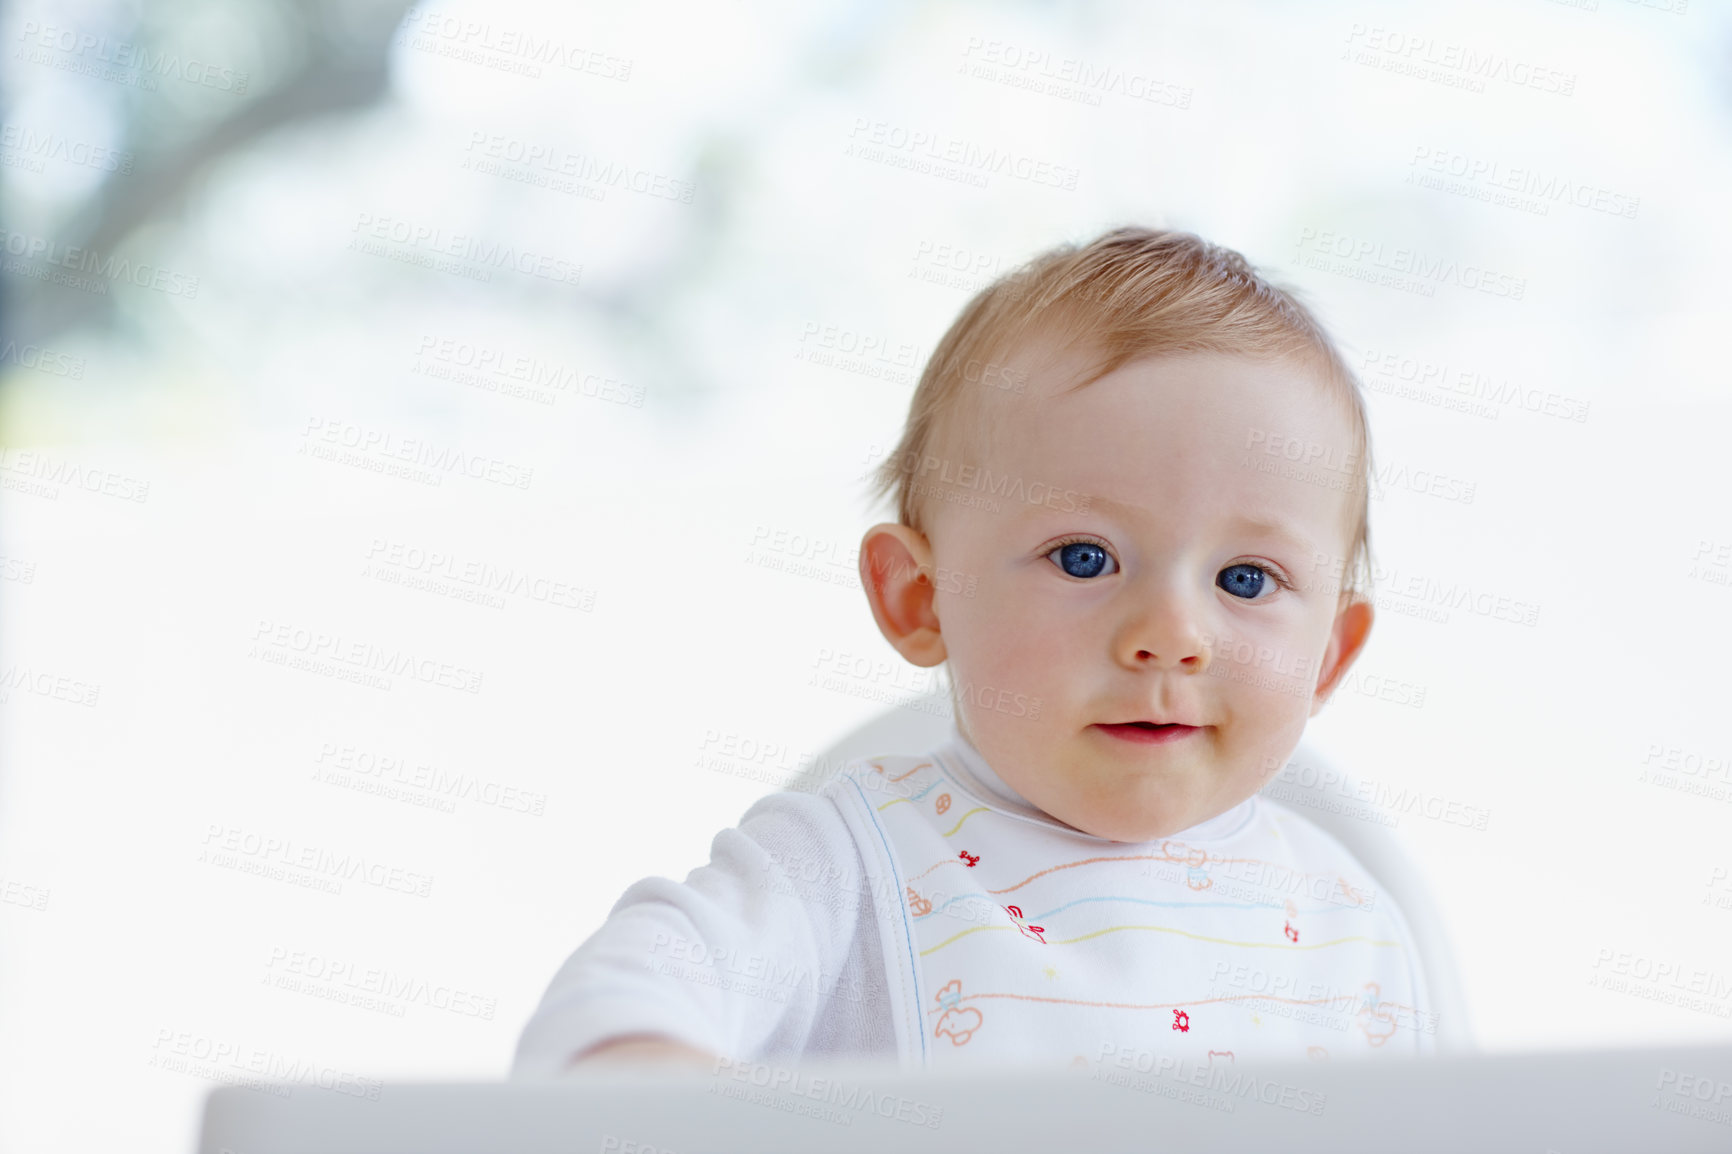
813	808
811	833
823	807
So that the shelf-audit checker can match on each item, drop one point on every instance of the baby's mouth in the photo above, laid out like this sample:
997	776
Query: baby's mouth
1148	731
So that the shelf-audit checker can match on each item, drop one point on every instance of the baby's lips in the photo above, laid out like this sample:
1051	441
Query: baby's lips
1186	721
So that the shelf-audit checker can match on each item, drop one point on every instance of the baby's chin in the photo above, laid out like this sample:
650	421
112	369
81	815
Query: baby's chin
1131	818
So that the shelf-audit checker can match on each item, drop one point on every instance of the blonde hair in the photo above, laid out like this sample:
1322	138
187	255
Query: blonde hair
1129	293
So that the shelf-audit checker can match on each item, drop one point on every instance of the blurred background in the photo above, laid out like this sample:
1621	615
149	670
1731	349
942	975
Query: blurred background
432	457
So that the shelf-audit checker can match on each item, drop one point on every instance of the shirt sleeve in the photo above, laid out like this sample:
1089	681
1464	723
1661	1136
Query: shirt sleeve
739	960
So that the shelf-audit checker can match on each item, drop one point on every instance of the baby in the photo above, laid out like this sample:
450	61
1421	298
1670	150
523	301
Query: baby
1140	600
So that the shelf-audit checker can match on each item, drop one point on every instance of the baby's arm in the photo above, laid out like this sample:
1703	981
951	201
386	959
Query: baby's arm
642	1048
733	962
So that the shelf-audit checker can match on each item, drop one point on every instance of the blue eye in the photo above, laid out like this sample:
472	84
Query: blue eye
1243	580
1081	558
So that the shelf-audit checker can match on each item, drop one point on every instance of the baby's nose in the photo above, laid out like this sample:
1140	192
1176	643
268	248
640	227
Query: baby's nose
1167	638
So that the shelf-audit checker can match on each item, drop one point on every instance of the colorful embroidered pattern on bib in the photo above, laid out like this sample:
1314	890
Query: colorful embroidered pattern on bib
1037	942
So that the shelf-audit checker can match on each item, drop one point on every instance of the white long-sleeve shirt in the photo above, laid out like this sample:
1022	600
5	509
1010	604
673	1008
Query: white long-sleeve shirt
792	943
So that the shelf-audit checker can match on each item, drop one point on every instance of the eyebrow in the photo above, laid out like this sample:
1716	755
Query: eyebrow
1240	521
1276	529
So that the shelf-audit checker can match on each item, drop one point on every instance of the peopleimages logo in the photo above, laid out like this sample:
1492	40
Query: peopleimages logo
220	1060
940	473
87	260
427	241
231	847
43	360
380	450
314	650
799	1085
108	59
29	148
324	976
41	473
1369	259
526	49
1168	1075
917	147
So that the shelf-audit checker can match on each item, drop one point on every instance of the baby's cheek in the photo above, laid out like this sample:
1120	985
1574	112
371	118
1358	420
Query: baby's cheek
1021	652
988	660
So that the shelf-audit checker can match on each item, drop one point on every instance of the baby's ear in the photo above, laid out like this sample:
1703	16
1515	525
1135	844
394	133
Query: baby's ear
896	571
1346	638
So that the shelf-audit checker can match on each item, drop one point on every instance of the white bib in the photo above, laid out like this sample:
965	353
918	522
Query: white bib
1018	939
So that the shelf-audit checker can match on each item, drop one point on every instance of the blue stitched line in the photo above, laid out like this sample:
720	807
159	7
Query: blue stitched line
908	929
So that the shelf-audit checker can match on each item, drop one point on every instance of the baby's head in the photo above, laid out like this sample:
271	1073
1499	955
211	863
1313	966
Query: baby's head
1132	488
